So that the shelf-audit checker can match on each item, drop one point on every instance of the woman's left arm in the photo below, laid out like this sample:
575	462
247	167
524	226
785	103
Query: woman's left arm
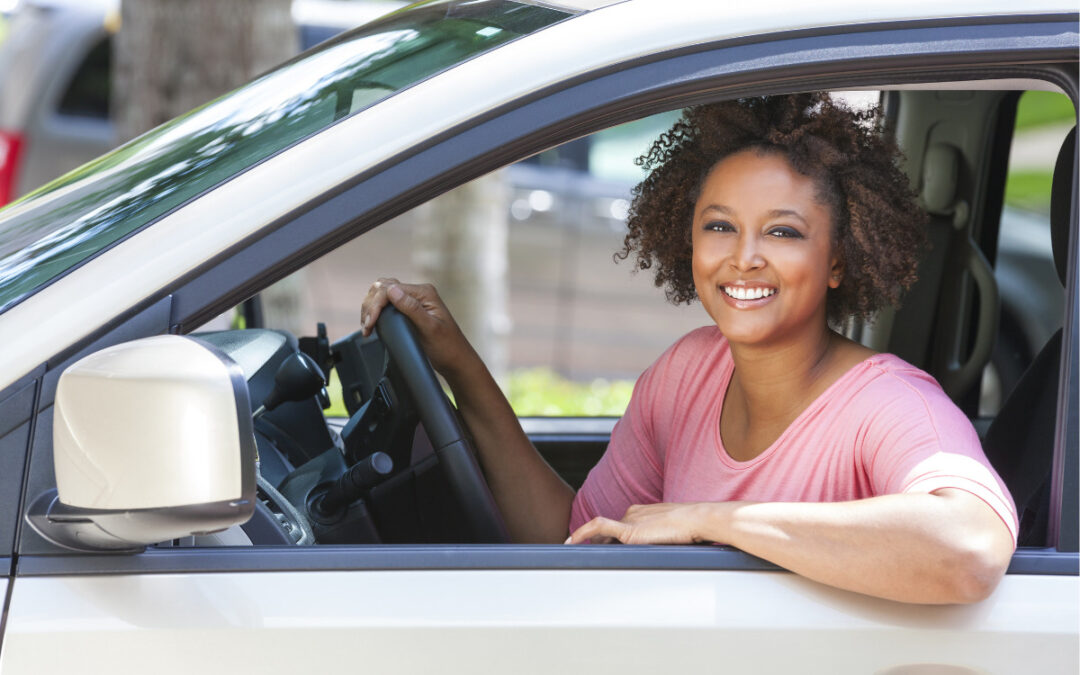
947	546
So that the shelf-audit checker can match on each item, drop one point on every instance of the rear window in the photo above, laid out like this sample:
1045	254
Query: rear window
64	223
87	95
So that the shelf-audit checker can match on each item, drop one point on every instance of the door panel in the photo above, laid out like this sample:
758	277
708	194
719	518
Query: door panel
570	445
532	621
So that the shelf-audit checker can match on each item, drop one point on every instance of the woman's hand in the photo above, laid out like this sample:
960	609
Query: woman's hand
650	524
440	336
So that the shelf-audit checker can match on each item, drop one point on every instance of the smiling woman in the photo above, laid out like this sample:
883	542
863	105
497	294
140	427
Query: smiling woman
749	255
878	228
768	431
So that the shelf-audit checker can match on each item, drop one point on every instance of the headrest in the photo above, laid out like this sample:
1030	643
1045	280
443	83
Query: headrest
941	167
1060	203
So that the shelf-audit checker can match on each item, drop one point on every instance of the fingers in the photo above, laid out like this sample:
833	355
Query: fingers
373	303
407	304
599	529
415	301
440	336
663	523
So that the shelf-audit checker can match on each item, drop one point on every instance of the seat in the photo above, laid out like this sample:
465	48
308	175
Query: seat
950	270
1020	440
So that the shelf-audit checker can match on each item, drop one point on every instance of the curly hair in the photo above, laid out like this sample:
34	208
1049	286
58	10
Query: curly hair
878	229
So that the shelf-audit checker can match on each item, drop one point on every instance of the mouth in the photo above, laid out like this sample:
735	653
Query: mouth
748	293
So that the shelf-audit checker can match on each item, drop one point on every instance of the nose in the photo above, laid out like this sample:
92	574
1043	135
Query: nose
747	253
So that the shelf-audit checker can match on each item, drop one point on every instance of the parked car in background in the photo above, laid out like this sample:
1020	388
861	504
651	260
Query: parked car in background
155	493
56	74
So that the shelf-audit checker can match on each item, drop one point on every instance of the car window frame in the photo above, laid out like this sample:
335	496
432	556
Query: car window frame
584	105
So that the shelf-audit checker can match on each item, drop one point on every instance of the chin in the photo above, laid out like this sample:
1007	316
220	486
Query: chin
740	333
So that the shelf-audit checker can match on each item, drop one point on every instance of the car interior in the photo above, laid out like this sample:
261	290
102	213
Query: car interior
400	469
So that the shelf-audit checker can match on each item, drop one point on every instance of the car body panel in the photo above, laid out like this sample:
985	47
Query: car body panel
524	621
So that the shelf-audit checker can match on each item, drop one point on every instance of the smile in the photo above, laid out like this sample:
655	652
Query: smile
743	293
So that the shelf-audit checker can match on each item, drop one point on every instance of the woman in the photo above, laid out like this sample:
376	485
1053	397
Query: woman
768	430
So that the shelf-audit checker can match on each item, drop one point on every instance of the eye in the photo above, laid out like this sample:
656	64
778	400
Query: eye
719	226
784	232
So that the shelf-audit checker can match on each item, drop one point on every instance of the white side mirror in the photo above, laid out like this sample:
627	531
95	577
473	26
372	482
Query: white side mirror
152	441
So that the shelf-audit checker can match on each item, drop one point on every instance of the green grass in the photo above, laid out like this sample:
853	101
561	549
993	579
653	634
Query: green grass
1042	108
540	392
543	392
1029	190
337	402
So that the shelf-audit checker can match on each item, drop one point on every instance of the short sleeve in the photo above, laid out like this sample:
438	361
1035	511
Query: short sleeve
631	470
921	442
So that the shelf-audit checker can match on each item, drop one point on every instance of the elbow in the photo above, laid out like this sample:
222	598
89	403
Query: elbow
974	571
972	586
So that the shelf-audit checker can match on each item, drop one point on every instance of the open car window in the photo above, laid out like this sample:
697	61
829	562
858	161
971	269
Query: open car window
567	330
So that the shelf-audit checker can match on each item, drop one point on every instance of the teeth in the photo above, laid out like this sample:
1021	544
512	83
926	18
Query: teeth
742	293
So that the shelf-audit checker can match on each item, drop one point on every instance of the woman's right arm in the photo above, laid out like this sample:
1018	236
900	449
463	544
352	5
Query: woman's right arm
534	500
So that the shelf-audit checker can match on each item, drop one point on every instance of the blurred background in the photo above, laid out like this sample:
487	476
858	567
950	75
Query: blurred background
523	256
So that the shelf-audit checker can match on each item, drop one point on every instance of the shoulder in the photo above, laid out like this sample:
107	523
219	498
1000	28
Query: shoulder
686	366
706	342
900	396
894	378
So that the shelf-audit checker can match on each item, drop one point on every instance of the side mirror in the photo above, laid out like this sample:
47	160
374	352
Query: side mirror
152	441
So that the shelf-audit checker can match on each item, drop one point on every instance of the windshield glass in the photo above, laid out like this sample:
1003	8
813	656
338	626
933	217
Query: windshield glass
69	220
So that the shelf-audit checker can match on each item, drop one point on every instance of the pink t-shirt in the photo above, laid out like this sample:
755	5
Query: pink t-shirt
883	427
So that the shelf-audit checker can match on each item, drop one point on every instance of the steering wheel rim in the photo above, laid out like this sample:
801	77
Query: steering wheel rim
440	421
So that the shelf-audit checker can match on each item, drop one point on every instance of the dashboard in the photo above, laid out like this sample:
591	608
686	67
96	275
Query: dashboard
378	478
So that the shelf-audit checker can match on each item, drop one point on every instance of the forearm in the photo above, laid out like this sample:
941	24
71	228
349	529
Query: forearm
927	548
534	500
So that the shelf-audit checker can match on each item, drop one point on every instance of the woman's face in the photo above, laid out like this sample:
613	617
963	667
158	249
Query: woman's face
763	250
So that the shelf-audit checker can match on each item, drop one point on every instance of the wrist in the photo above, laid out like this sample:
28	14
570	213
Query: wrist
714	522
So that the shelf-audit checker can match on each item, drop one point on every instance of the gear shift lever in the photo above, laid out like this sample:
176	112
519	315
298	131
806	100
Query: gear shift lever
298	377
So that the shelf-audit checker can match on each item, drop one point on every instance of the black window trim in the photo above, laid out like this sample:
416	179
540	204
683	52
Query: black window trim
1042	562
1064	523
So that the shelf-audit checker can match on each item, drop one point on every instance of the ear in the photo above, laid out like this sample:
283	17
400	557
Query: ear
836	272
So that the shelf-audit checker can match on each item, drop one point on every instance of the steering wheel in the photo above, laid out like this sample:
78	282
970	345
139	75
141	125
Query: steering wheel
451	446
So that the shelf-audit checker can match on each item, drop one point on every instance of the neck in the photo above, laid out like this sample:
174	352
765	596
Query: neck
775	381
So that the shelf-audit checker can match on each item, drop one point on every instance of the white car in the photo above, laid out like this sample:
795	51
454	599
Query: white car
138	534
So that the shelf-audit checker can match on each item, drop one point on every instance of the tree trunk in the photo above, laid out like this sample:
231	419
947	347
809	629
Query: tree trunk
460	245
171	56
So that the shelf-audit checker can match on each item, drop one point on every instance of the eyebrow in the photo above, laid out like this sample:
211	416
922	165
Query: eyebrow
780	213
718	207
775	213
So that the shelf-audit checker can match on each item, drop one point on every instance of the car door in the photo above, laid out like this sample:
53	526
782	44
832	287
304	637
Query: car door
541	608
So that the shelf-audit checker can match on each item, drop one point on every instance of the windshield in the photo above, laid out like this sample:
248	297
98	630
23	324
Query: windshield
69	220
